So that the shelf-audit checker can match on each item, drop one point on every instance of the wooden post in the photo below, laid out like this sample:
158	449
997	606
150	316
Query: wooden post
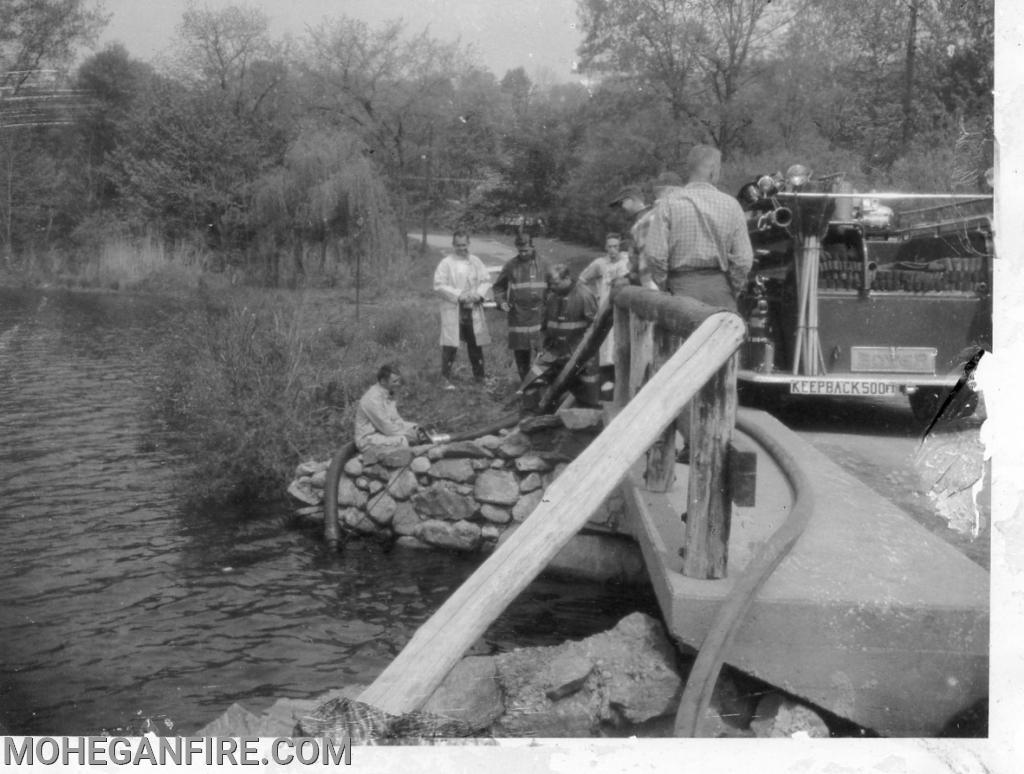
660	473
622	357
708	506
641	353
567	504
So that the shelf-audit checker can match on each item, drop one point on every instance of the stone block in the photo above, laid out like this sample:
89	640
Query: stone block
524	507
397	457
302	491
494	514
375	486
490	532
638	669
460	470
530	483
408	541
481	464
378	472
354	467
514	445
779	716
381	509
349	494
580	418
464	449
469	693
419	465
355	519
565	674
311	467
403	484
488	442
459	535
405	521
318	479
532	463
497	487
440	502
363	483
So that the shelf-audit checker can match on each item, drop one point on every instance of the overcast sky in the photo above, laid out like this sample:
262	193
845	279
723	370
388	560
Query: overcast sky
538	35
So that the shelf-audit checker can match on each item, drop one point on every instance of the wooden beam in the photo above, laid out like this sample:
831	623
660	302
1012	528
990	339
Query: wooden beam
570	500
708	506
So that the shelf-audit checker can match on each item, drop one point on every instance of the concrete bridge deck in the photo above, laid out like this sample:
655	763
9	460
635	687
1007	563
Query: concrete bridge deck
870	616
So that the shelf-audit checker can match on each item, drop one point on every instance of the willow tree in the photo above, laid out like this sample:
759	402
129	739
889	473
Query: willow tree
392	89
326	200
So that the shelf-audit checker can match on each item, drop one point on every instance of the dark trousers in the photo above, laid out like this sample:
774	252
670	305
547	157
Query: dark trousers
475	351
709	286
523	358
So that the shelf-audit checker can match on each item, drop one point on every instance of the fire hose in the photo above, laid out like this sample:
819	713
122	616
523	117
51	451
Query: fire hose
700	683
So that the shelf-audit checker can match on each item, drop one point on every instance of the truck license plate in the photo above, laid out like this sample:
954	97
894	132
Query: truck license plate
859	387
892	360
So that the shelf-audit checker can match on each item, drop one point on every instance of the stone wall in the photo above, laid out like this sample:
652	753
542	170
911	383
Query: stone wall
463	495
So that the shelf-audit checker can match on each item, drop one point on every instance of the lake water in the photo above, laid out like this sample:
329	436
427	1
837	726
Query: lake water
117	600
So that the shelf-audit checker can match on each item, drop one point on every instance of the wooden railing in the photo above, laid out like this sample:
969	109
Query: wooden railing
663	383
649	328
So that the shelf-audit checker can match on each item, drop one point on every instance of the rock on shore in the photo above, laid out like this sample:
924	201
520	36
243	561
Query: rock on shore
462	495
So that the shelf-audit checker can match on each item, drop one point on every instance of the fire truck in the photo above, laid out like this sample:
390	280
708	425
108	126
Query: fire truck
866	295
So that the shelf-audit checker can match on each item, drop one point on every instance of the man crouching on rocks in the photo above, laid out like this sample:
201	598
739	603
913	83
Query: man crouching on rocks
377	420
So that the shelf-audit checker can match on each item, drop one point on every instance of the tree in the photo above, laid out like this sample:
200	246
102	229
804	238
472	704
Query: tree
34	34
694	54
231	51
42	33
325	193
397	92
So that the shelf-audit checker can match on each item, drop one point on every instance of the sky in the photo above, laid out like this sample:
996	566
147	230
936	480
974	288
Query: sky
539	35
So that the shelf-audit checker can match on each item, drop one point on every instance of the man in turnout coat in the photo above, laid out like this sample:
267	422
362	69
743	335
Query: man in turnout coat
520	290
461	280
568	311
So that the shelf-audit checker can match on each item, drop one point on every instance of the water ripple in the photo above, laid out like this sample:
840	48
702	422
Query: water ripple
114	599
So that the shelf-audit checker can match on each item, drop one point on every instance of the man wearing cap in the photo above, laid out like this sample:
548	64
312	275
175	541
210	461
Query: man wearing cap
697	243
520	290
631	199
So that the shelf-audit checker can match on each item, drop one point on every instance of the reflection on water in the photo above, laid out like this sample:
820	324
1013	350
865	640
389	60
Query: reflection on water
116	599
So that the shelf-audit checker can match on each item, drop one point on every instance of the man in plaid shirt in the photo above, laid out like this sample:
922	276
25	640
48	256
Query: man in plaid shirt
697	244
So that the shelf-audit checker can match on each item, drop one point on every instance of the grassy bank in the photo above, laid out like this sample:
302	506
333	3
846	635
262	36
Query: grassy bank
251	381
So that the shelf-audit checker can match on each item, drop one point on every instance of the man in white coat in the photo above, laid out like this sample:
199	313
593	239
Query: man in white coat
461	280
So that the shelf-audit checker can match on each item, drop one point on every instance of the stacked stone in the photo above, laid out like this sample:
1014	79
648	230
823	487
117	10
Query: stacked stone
461	495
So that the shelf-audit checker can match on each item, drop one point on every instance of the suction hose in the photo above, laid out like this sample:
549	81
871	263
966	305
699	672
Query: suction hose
730	615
